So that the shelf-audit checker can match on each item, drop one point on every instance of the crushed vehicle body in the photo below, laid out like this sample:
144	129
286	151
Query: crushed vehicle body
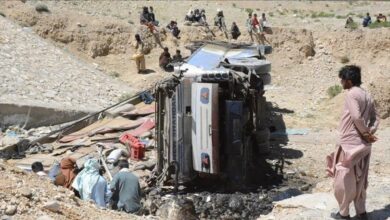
211	117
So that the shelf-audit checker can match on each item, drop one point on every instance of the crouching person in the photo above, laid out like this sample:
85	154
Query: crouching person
91	185
165	60
37	167
126	189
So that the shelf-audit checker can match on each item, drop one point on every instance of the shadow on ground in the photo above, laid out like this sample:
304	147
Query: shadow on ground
383	213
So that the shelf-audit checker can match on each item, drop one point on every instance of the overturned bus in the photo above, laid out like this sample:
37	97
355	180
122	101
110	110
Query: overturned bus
211	117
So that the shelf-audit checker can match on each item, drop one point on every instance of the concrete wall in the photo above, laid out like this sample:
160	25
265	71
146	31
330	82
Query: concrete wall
11	114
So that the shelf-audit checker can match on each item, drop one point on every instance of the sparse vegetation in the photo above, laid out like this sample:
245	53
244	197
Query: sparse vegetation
360	15
41	8
322	15
271	14
2	14
341	16
327	5
284	12
379	24
124	97
130	22
234	5
115	74
249	10
353	26
334	90
317	20
344	59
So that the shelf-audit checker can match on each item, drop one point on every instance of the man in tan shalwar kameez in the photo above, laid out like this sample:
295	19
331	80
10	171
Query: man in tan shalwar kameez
349	164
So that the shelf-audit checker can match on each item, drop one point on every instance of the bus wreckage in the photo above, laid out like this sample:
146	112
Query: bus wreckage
211	117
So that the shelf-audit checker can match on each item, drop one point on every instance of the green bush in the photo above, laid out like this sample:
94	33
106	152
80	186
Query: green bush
322	15
271	14
2	14
41	8
234	5
334	90
353	26
379	25
341	16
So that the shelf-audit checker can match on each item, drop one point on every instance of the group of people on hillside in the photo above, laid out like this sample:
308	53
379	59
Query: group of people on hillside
257	27
165	60
197	15
380	18
123	193
147	15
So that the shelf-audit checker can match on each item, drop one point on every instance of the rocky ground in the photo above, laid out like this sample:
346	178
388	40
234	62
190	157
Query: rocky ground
27	196
310	45
34	72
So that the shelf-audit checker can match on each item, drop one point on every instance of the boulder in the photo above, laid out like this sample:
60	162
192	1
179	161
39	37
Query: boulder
10	210
177	209
52	206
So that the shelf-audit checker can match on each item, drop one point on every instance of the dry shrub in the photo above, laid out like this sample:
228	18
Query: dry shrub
334	90
41	8
344	59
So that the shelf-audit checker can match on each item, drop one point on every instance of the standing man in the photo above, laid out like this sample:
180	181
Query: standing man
256	28
126	189
350	162
139	56
249	26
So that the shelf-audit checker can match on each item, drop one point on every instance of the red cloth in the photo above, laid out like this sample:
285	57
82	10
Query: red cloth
67	171
146	126
255	22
